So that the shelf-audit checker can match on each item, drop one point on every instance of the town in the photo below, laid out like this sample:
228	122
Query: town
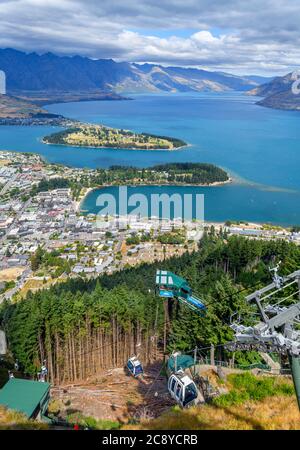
46	238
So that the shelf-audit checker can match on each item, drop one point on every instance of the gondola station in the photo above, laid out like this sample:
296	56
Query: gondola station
26	396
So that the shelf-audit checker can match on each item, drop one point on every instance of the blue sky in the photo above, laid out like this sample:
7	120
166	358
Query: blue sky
234	35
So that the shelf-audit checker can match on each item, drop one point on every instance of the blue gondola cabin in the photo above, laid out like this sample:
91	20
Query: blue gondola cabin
134	367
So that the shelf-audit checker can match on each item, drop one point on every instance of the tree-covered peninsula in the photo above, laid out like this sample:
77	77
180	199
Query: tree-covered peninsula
99	136
186	174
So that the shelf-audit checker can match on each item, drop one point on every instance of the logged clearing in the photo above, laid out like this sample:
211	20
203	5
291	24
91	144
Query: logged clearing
11	274
145	404
116	396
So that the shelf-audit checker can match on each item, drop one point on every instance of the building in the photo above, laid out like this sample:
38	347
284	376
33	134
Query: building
28	397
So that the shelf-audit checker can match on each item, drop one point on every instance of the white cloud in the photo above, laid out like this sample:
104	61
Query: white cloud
234	35
205	38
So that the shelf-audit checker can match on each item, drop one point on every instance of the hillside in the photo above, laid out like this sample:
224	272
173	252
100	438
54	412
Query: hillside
278	94
12	107
275	413
18	111
283	100
27	109
125	301
49	72
251	402
13	420
86	327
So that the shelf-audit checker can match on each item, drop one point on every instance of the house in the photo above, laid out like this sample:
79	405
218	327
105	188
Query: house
78	268
28	397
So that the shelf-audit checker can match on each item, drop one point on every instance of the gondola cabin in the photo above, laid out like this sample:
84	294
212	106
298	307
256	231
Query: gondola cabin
169	285
134	367
182	389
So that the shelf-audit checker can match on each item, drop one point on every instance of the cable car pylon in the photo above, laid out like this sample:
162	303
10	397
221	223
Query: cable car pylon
278	328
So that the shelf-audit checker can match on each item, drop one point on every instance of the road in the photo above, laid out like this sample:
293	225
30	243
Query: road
19	284
8	184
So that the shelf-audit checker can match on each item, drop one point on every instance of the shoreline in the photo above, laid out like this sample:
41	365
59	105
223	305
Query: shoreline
103	186
232	179
81	199
43	159
243	224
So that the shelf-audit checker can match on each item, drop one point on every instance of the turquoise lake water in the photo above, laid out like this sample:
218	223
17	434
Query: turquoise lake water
260	147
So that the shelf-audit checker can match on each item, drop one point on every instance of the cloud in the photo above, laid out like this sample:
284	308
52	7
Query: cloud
231	35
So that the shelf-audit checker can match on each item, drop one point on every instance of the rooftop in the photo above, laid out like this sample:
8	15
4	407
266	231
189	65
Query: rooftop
23	395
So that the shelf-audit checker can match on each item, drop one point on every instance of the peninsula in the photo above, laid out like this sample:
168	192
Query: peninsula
99	136
25	108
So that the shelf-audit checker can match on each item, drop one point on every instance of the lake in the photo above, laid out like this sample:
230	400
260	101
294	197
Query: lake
260	148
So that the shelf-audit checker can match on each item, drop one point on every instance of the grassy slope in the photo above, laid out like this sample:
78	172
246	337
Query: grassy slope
252	403
12	420
275	413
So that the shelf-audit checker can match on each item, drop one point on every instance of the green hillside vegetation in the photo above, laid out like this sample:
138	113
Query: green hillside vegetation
246	386
175	174
91	423
82	326
192	173
100	136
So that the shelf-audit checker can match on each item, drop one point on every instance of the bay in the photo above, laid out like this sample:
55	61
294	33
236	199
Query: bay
260	147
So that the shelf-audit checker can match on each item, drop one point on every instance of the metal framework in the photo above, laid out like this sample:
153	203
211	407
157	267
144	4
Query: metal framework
278	328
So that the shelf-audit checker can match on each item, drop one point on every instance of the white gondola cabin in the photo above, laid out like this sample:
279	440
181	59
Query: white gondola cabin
134	366
182	389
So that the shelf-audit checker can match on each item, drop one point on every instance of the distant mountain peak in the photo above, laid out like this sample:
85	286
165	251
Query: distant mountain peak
50	72
278	94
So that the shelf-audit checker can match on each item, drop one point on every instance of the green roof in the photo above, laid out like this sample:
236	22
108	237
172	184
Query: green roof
183	362
23	395
170	279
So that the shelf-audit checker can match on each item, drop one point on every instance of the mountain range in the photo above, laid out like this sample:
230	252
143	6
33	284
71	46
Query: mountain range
49	72
278	93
